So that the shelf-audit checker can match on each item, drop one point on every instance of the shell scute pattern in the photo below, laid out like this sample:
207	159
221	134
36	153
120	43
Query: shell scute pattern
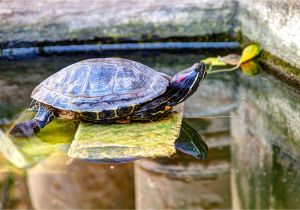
100	80
100	84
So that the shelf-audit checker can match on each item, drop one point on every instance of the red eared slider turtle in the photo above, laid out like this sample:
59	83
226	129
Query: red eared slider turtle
109	90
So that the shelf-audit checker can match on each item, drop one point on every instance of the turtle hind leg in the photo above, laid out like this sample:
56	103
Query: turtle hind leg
44	115
25	129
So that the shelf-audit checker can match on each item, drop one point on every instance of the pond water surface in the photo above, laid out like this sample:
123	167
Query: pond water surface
250	124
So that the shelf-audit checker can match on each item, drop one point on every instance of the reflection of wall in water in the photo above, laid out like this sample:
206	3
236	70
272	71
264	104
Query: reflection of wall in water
265	150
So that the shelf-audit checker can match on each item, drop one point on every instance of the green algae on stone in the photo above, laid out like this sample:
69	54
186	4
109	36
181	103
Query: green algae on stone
112	142
8	167
26	151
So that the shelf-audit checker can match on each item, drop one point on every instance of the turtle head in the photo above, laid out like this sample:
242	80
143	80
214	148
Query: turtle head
185	83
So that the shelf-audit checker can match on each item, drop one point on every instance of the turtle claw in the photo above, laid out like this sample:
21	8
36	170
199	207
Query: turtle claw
25	129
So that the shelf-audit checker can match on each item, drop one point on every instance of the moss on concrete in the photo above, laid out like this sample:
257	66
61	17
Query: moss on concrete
127	141
280	64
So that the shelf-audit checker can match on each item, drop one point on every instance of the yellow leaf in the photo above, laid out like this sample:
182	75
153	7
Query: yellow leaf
214	62
250	52
250	68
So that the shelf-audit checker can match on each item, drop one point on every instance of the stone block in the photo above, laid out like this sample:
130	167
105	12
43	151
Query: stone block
275	25
59	20
265	145
77	184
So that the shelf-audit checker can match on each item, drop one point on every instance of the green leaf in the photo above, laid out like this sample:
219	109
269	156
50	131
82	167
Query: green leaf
249	53
250	68
214	62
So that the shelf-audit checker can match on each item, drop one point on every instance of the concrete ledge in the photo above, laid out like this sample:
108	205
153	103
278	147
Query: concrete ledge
275	24
57	20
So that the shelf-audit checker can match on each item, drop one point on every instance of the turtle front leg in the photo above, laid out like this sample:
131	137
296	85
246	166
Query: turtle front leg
151	113
44	115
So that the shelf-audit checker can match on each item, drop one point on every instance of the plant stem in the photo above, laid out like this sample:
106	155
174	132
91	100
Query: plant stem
210	68
210	71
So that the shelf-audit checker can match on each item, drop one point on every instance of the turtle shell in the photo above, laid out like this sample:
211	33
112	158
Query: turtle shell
100	84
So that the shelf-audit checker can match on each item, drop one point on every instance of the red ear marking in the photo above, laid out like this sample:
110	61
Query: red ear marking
181	78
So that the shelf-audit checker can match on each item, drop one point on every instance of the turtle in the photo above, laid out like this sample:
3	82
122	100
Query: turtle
109	90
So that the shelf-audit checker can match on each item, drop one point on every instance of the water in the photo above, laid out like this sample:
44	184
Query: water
250	124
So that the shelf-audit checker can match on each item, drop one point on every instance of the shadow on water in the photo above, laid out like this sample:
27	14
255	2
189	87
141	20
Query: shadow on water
250	124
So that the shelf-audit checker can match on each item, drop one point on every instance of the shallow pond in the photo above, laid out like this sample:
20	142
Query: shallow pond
250	124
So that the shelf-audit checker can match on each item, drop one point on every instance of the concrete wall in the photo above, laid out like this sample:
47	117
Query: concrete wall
60	20
265	145
275	24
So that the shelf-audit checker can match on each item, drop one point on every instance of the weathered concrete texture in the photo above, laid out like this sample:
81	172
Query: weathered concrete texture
251	166
265	145
275	24
59	20
272	111
77	184
183	183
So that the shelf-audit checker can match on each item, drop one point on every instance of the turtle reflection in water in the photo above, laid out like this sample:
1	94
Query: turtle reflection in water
109	90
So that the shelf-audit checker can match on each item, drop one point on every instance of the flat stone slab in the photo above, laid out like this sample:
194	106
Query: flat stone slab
125	142
94	142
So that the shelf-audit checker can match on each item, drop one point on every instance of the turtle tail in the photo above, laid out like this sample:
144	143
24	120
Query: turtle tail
44	115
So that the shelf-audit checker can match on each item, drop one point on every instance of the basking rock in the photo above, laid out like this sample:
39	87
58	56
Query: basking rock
126	142
94	142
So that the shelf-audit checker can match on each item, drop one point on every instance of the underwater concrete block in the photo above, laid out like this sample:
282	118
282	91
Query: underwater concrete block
183	183
76	184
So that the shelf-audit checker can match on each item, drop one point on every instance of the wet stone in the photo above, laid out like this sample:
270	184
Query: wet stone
127	142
